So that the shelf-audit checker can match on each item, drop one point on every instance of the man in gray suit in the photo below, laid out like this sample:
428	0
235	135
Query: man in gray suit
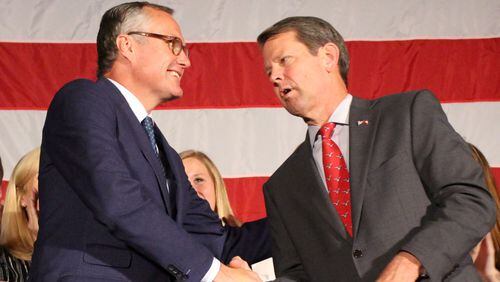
393	194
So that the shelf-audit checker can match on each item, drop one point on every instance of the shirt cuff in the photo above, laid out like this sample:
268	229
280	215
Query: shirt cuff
212	272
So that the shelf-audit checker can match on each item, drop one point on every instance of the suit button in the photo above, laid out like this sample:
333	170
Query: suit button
357	253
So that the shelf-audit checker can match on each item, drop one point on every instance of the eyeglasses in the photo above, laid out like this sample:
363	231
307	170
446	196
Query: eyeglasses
174	42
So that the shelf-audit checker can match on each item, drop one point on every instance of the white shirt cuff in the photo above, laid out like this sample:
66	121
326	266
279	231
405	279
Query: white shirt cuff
212	272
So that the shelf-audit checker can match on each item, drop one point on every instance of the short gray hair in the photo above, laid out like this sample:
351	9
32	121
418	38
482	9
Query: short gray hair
119	20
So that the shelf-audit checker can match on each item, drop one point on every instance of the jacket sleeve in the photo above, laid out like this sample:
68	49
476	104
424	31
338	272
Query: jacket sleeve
462	211
251	241
287	263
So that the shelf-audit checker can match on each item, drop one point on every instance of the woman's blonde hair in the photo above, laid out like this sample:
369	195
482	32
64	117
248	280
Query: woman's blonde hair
222	205
15	235
490	183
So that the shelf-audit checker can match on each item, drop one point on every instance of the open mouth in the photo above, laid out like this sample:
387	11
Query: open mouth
286	90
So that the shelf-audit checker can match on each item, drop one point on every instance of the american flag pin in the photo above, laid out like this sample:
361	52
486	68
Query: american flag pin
362	122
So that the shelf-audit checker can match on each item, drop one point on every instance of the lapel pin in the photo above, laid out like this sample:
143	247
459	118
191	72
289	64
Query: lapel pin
362	122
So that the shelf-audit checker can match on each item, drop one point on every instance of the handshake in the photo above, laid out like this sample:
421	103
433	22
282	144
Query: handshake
237	270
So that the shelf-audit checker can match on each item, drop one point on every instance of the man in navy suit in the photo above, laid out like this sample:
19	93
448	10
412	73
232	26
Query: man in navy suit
115	203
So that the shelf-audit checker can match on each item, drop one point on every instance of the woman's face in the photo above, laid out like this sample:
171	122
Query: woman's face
30	198
200	179
30	204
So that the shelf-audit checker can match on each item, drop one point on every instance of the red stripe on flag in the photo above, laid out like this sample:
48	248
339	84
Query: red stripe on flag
456	70
496	174
3	189
231	75
31	73
246	197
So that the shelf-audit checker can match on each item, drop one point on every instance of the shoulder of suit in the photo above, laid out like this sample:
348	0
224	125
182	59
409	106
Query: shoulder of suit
288	165
400	98
84	89
82	84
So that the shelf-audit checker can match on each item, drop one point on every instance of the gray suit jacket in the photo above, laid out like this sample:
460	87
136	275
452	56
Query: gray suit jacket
414	187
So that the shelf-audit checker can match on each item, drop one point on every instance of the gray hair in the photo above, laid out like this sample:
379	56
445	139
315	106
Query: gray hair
119	20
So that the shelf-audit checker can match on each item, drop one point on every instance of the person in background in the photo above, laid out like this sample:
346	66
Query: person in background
486	255
209	184
19	225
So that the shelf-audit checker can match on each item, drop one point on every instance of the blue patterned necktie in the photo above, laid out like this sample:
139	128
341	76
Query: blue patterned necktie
147	123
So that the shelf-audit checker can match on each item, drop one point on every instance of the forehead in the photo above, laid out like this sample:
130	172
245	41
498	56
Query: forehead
280	43
194	165
163	23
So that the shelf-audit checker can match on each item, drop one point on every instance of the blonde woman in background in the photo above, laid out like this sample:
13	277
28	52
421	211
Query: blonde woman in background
208	183
486	255
19	225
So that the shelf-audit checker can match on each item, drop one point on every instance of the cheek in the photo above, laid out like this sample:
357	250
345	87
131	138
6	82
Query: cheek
291	73
202	190
209	192
153	64
276	91
196	187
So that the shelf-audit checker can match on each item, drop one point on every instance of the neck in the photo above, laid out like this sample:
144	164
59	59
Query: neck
322	114
147	99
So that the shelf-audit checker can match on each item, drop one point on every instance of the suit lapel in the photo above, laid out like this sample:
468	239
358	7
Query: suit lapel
140	137
172	173
363	122
150	155
311	189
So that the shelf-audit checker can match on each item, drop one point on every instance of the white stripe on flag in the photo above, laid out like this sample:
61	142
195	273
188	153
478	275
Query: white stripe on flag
243	20
245	142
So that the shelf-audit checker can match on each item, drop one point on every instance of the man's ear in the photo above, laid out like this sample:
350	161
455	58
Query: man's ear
331	56
126	46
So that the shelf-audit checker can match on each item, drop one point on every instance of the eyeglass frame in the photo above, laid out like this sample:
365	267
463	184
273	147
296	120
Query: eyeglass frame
169	39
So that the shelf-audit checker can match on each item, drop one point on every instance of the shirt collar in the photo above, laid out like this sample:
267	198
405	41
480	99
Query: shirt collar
135	105
339	116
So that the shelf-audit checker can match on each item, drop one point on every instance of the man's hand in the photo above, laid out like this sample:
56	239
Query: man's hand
238	270
403	267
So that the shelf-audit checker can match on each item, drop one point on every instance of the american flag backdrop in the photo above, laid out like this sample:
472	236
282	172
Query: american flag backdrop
229	110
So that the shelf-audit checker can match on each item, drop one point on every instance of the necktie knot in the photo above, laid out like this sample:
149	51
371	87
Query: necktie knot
147	123
326	131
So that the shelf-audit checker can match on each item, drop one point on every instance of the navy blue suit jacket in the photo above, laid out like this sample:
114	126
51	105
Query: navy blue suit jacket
105	212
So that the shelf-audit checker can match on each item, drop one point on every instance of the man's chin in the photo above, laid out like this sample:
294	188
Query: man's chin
292	110
174	96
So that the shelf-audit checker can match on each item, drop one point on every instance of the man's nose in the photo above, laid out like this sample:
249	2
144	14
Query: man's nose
276	75
183	60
